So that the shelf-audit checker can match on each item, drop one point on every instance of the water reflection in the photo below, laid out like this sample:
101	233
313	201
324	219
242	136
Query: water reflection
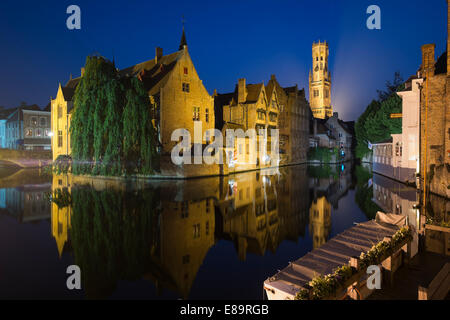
162	232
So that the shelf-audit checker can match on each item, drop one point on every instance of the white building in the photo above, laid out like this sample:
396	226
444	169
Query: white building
400	158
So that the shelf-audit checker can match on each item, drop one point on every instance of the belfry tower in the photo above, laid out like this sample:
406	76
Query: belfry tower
320	82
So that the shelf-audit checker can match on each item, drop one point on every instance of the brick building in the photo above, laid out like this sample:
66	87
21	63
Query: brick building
435	119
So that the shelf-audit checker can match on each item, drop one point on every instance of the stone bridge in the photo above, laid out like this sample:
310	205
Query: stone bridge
24	158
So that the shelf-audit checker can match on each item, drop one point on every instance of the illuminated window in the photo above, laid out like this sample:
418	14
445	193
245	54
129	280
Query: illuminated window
29	133
33	121
196	230
196	113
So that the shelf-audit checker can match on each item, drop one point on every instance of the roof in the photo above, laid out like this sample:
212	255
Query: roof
253	91
4	112
17	113
441	64
408	83
153	74
68	93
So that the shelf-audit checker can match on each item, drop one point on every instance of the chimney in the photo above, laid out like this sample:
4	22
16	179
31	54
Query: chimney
428	61
242	91
82	71
158	54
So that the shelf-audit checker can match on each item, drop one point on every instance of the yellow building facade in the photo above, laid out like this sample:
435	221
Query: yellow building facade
61	108
320	82
177	99
250	106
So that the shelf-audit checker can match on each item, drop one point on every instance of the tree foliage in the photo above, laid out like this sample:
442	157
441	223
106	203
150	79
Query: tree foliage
111	128
375	123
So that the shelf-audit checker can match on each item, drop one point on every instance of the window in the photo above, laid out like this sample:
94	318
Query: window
196	114
207	115
186	259
321	58
261	115
43	122
60	139
316	93
196	230
273	117
46	132
185	87
326	93
33	121
29	133
38	132
207	227
185	70
59	111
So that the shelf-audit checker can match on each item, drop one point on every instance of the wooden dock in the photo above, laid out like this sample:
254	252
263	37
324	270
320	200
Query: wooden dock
337	252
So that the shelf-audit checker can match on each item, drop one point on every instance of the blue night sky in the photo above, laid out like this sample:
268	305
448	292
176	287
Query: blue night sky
227	40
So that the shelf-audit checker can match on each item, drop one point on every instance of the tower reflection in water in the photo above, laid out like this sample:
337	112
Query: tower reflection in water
162	231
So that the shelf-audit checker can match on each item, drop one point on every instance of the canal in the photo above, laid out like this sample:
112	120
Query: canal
210	238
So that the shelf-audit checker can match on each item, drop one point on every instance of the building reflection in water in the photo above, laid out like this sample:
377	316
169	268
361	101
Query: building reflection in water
26	203
394	197
162	231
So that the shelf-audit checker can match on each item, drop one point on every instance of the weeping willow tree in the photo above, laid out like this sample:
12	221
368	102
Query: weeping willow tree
113	234
90	100
111	129
139	134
